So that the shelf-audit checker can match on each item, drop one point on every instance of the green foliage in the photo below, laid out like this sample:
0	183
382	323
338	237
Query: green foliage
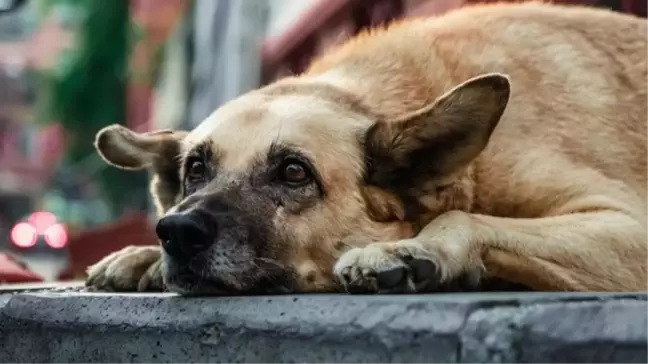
87	89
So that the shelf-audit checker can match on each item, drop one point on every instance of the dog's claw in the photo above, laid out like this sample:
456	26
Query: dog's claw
392	278
424	271
403	267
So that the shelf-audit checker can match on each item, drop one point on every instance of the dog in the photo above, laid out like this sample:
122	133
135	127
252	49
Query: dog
500	141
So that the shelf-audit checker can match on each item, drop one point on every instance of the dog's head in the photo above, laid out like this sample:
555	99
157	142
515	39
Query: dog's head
273	187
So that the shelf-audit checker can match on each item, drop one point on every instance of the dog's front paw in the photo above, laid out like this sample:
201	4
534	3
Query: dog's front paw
132	269
405	266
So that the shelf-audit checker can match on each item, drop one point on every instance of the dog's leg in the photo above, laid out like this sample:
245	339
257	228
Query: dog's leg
586	250
132	269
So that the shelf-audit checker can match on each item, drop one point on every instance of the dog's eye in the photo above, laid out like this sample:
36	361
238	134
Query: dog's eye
295	173
196	169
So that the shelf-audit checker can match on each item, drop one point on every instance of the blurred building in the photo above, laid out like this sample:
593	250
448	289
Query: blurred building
27	151
225	38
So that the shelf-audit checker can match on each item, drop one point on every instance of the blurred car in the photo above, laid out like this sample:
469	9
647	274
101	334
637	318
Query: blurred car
39	232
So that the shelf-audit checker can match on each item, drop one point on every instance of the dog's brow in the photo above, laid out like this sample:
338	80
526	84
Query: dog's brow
203	148
282	149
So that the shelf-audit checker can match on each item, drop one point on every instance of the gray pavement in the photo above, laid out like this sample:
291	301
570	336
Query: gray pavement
51	326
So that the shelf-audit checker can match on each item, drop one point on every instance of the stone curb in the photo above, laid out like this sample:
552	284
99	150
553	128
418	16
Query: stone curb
529	327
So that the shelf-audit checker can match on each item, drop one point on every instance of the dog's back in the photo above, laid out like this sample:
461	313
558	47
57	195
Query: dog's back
577	116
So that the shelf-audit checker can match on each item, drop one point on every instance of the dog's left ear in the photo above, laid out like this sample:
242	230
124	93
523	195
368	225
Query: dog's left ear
126	149
439	139
156	151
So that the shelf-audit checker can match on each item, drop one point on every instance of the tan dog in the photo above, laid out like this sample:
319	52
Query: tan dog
504	141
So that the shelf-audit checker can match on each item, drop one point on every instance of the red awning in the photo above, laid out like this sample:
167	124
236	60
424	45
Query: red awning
11	271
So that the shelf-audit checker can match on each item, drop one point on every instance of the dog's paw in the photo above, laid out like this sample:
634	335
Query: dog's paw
405	266
132	269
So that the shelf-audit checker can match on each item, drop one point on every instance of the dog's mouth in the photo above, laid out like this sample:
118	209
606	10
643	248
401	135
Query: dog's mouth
192	284
195	280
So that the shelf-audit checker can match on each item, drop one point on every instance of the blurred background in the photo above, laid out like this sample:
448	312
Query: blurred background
70	67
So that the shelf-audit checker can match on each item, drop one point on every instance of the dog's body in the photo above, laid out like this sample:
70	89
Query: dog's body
421	181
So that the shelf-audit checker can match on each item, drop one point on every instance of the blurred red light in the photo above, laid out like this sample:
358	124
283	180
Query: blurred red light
41	220
23	235
56	236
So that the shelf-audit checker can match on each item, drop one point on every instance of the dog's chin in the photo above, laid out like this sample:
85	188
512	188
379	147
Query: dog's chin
191	284
204	282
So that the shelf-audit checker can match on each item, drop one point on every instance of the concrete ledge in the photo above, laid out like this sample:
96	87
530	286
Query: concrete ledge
531	327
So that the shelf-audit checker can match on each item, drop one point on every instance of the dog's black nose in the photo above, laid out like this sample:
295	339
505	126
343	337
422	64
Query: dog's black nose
182	235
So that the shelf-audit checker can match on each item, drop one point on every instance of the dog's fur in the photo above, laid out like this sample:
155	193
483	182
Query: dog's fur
504	140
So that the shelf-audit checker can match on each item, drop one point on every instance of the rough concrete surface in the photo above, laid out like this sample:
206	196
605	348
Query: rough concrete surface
64	326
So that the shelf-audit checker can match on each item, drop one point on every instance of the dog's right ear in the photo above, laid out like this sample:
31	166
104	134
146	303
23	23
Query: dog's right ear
126	149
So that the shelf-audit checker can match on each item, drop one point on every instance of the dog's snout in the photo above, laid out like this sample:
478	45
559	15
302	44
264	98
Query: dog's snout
182	235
